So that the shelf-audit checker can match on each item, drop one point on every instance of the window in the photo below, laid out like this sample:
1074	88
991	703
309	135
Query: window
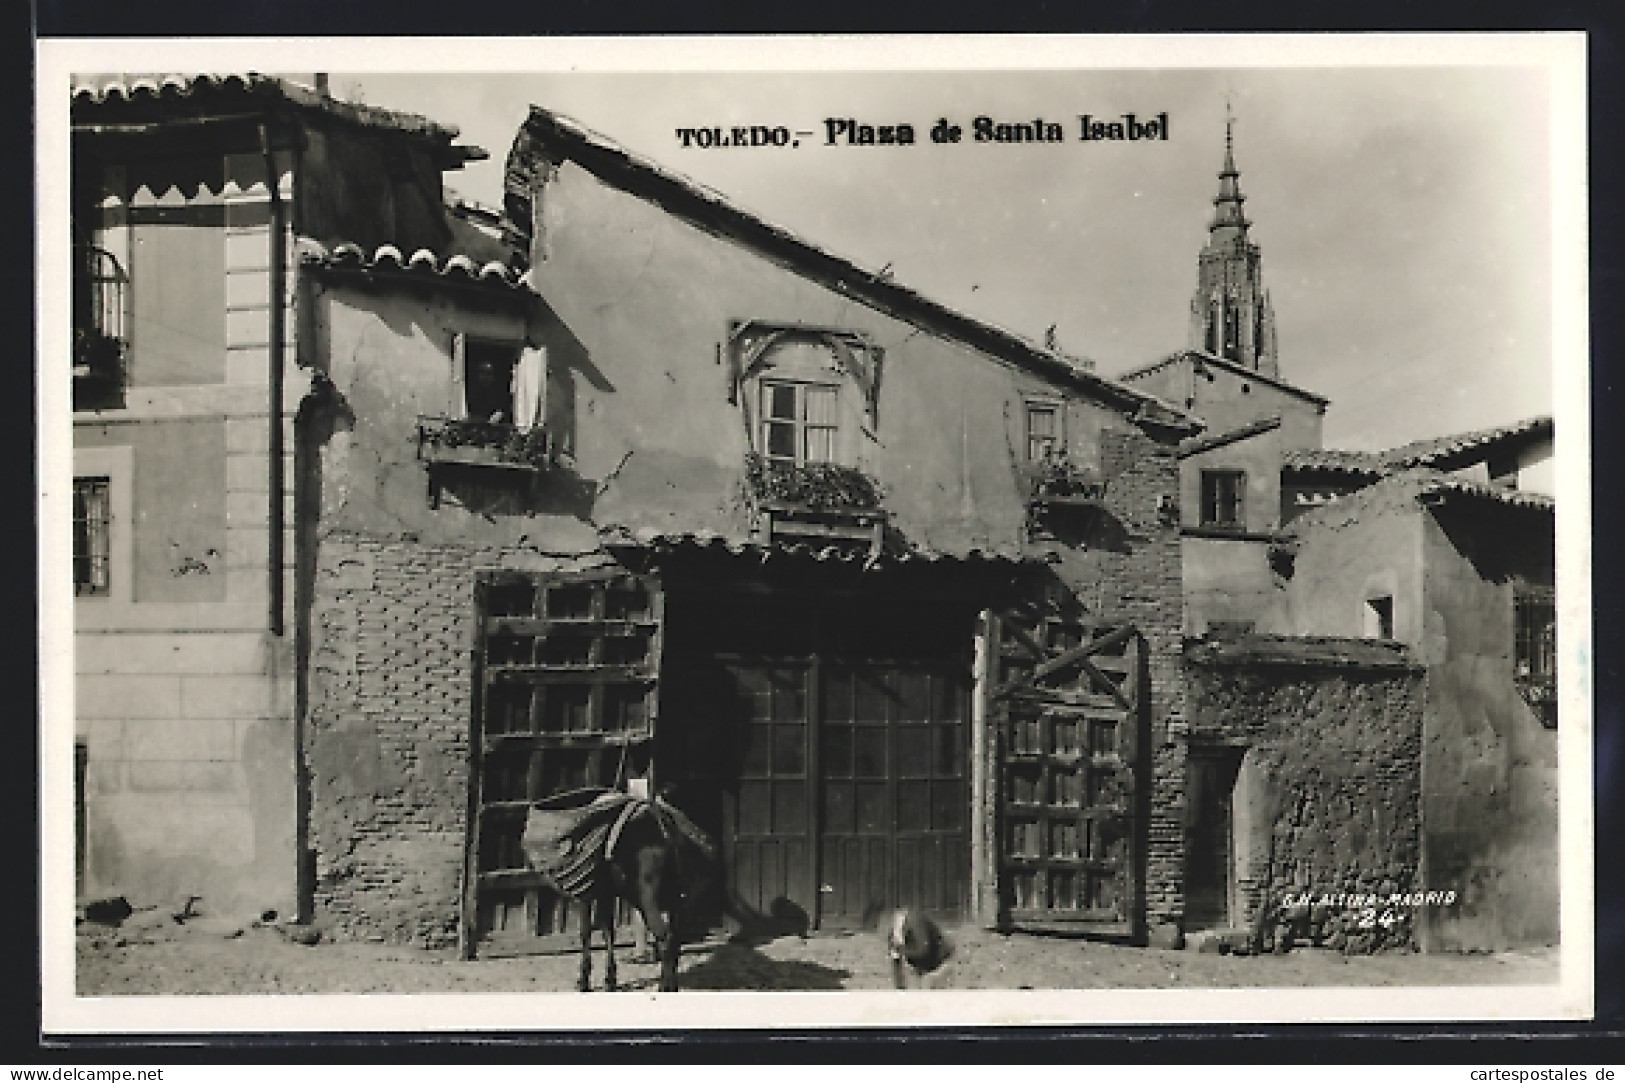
488	390
799	421
501	383
1043	431
1535	633
1379	618
92	530
1221	498
99	345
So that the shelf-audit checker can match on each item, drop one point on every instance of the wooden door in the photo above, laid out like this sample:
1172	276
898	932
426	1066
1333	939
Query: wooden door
565	669
893	792
1068	714
1210	782
768	815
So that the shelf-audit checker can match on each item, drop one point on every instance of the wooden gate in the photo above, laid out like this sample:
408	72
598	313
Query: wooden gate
565	669
1067	713
892	781
840	786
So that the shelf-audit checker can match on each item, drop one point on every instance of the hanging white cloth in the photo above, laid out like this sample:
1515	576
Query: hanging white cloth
457	401
529	387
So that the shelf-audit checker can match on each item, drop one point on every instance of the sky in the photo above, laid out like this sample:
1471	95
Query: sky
1403	214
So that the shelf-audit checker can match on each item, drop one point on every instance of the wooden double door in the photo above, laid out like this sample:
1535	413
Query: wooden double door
839	787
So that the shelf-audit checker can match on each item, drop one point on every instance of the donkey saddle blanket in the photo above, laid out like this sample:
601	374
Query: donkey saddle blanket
570	838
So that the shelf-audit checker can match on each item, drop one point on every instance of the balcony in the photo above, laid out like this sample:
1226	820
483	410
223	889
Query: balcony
99	344
492	449
822	503
1059	495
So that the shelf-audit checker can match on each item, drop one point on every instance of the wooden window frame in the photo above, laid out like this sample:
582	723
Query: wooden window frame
799	425
1211	497
1534	646
473	344
1055	441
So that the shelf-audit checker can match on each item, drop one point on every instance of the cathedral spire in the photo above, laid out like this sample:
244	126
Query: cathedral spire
1231	314
1227	205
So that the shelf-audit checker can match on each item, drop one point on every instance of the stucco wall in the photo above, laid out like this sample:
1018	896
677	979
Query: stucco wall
190	779
1230	579
1349	557
184	696
1259	458
179	506
649	299
1226	580
1227	400
1490	767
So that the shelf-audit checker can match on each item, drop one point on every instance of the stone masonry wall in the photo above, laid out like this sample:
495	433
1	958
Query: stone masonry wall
1330	784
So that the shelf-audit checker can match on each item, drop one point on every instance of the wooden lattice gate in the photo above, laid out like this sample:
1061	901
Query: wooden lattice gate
565	668
1067	715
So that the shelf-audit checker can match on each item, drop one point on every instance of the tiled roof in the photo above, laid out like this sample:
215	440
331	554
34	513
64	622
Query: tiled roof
144	91
1439	452
1332	460
1432	483
1462	449
547	137
423	263
1406	488
710	542
1195	445
1258	649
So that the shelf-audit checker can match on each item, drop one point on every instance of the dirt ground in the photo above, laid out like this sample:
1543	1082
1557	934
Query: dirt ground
197	959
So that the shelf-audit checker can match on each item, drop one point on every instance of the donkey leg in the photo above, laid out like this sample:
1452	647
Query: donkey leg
584	980
670	947
608	908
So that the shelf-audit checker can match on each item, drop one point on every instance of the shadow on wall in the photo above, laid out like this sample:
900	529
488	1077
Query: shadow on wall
1086	528
556	490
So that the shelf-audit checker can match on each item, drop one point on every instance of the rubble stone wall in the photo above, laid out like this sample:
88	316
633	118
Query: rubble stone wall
1328	799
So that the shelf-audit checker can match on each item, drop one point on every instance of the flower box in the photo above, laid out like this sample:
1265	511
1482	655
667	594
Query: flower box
447	445
816	502
483	443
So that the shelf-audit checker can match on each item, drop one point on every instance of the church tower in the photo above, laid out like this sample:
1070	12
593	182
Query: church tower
1231	314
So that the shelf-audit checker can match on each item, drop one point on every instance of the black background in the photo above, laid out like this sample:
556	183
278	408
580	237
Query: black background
1579	1045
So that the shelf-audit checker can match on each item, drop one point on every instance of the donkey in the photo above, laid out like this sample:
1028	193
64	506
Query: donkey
643	852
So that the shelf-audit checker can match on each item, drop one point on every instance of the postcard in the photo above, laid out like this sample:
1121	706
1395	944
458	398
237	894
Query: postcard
1084	531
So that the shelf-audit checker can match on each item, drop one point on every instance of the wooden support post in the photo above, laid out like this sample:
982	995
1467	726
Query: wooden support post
984	770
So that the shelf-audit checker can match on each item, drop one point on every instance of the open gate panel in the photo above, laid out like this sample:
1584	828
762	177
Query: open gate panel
1066	713
565	669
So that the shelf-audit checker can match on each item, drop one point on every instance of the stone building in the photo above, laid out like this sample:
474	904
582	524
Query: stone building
1430	545
190	197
